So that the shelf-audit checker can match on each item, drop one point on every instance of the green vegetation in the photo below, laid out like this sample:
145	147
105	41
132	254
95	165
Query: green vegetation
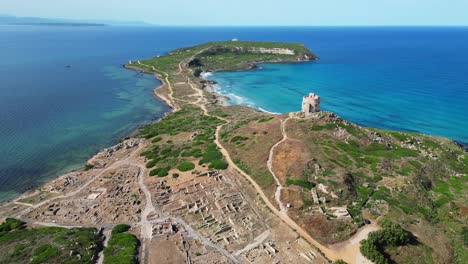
186	166
299	182
240	55
165	156
218	165
213	156
11	224
265	119
238	139
322	127
121	228
426	181
156	139
160	172
88	166
391	235
227	55
46	245
122	247
43	253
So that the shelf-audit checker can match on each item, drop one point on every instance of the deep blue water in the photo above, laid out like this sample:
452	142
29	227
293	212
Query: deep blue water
408	79
52	118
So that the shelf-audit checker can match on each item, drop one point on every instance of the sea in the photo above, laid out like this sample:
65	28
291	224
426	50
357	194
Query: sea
64	94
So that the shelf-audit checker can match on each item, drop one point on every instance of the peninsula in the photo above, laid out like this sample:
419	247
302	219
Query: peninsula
210	183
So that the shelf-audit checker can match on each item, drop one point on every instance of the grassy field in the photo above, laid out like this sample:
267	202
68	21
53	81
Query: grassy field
122	247
198	144
227	55
20	244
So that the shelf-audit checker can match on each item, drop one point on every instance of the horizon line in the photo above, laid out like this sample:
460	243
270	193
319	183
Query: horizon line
151	24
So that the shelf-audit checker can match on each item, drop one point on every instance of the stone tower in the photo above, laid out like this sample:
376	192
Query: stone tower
310	104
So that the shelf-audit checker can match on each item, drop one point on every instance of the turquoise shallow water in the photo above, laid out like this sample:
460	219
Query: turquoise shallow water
400	79
52	118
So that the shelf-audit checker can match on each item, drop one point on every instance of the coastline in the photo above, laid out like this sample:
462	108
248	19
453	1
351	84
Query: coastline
209	87
35	188
155	90
332	251
226	98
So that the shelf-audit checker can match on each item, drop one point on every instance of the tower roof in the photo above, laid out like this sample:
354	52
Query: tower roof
312	96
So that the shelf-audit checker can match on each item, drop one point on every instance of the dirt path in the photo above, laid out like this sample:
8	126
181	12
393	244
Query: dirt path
146	228
279	187
347	250
170	99
107	235
257	241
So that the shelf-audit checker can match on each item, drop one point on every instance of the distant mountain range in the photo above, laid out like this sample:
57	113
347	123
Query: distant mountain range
14	20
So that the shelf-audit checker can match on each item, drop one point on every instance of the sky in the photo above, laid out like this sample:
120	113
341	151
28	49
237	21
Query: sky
250	12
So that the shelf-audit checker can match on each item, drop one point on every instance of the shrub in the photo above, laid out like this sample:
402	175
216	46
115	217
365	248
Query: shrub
211	153
156	139
121	228
197	73
391	235
464	234
218	165
265	119
154	172
163	172
299	182
11	224
151	164
236	139
175	175
160	172
88	166
186	166
186	153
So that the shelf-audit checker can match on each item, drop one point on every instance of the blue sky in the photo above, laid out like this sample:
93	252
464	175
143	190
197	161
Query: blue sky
250	12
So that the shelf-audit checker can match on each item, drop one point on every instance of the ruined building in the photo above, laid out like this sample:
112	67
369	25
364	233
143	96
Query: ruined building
310	104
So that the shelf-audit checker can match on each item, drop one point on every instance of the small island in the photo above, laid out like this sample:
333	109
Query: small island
211	183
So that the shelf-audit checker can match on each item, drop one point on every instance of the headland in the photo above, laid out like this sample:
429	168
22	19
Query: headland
214	183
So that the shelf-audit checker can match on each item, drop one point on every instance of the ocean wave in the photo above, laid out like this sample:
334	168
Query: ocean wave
205	75
235	98
266	111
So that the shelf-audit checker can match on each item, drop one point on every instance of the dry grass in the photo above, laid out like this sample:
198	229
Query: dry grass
253	150
289	159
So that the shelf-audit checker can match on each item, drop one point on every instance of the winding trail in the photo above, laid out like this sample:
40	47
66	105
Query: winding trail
107	234
146	228
279	187
347	250
170	100
145	224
